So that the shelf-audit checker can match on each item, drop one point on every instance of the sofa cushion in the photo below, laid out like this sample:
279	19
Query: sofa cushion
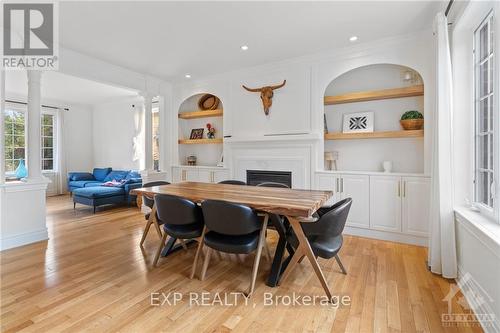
101	173
84	183
93	184
98	192
81	176
133	176
117	175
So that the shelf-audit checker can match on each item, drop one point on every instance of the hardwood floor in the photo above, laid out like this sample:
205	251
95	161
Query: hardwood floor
93	276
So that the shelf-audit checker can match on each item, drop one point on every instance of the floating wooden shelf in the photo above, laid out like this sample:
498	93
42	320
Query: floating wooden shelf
201	114
199	141
373	95
375	135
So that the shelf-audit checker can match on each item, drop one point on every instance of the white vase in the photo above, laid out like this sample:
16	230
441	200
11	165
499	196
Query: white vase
387	166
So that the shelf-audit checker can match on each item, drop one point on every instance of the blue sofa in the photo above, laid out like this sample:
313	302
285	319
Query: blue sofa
88	188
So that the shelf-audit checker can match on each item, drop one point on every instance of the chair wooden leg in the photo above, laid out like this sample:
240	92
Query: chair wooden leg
262	240
198	251
205	263
306	249
301	258
337	258
145	232
162	244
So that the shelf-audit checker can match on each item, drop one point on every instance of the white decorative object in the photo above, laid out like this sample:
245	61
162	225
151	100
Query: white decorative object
387	166
331	158
361	122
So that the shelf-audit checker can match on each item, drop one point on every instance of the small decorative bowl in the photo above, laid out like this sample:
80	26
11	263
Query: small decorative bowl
412	124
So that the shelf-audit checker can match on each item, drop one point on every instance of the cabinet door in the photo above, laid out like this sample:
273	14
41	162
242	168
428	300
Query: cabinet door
189	175
220	175
205	175
176	175
357	187
416	192
329	182
385	203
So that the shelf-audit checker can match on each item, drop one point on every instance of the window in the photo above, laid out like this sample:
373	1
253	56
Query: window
156	138
47	142
16	138
485	117
15	129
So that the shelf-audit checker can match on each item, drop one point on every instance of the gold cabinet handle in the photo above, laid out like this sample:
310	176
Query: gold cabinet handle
404	189
337	185
183	177
342	183
399	188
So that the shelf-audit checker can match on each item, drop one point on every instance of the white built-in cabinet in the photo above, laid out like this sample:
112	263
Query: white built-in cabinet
382	203
199	174
350	186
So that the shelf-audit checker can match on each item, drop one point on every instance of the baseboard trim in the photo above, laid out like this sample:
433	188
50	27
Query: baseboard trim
10	242
470	287
386	236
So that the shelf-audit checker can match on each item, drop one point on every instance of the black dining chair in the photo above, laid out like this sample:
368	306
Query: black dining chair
325	235
231	228
232	182
149	202
181	219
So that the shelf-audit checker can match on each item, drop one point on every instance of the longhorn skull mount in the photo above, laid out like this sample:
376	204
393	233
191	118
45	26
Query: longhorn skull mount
266	95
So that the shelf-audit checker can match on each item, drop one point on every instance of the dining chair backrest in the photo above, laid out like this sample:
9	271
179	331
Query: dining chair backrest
232	182
331	223
272	184
147	201
176	210
229	218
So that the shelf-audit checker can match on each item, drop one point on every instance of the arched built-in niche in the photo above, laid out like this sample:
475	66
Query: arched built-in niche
207	151
366	89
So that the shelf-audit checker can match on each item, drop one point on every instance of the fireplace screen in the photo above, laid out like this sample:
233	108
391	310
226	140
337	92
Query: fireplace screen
256	177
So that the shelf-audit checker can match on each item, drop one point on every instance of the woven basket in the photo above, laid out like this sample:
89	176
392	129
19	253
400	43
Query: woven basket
412	124
208	102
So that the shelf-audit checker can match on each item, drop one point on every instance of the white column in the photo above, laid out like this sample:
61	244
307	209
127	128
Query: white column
148	131
34	130
2	126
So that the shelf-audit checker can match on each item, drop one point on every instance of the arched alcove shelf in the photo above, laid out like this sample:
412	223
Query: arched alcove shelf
207	151
385	92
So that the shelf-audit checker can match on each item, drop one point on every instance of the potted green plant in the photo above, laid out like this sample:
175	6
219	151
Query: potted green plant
412	120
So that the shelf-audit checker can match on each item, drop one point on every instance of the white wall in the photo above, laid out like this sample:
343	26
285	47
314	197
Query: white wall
115	125
78	138
407	154
298	106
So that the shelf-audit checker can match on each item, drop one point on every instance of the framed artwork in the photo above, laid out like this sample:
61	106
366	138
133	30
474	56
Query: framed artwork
358	122
196	133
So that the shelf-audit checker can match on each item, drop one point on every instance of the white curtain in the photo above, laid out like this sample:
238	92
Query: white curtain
61	153
442	249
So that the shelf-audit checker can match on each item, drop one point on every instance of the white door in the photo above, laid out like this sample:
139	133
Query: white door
220	175
329	182
385	203
205	175
416	192
357	187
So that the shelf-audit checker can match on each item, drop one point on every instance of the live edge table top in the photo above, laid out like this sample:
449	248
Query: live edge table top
282	201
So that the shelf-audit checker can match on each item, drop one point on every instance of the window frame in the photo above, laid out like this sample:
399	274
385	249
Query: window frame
491	212
44	111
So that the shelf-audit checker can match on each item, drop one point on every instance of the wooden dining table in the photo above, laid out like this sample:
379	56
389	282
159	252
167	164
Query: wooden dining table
298	206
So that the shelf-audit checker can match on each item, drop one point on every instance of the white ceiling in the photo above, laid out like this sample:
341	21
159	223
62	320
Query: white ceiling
170	39
65	88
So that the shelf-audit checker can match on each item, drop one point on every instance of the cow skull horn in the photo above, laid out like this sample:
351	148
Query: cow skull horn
266	94
278	85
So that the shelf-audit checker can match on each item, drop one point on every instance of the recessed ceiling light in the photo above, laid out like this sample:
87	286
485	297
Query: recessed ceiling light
187	76
353	38
244	47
